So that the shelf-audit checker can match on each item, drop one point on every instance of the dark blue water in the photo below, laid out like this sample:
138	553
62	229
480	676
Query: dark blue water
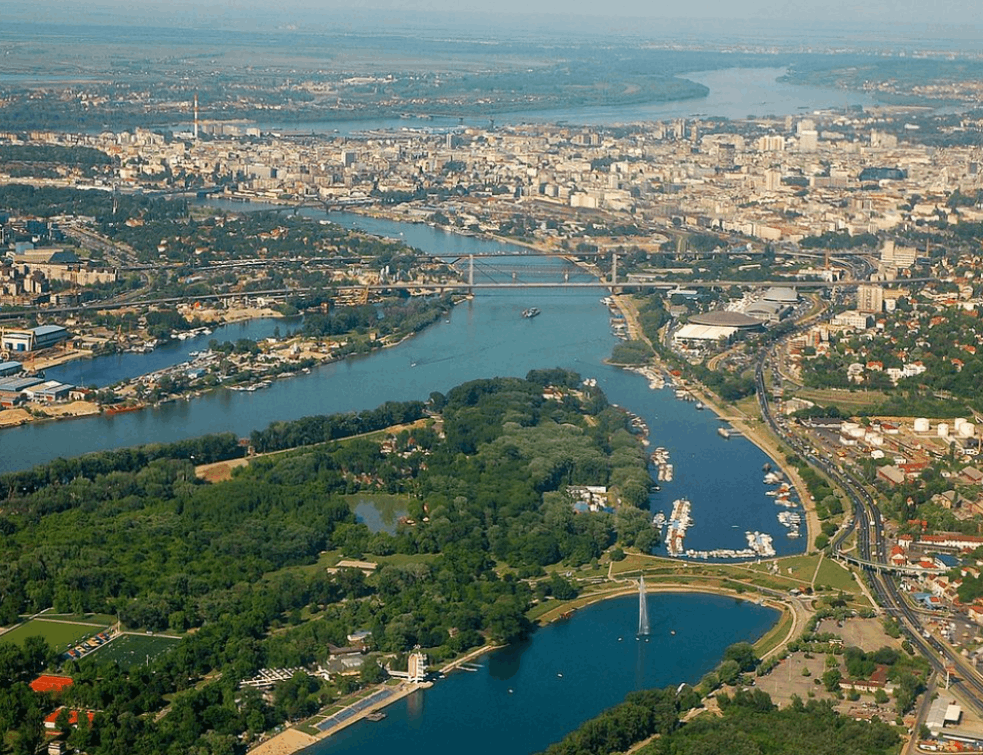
107	370
519	703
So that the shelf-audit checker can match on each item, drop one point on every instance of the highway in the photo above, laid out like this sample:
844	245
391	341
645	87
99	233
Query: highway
868	524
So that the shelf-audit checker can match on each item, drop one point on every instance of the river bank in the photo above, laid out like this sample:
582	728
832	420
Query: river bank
754	432
194	375
296	739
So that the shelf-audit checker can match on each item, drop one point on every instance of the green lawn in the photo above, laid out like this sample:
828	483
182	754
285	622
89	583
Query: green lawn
59	636
847	399
134	649
835	575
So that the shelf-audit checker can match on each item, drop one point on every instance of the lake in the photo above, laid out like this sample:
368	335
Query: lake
528	695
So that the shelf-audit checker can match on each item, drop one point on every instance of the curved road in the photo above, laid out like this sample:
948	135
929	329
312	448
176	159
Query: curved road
868	524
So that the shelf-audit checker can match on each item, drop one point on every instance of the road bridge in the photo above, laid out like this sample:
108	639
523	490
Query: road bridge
907	570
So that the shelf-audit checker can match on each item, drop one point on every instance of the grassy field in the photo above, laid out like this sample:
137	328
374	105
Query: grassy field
59	635
833	574
133	649
775	636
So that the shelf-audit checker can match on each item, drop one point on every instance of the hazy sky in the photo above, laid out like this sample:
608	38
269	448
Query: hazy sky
963	16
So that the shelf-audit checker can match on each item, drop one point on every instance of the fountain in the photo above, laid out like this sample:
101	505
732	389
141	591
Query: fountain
643	611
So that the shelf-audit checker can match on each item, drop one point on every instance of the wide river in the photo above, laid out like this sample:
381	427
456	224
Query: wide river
488	337
734	93
485	337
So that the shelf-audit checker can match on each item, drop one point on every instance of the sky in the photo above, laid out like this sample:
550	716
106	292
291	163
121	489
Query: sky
886	14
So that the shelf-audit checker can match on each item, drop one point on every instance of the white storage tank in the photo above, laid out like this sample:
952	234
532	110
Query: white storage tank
856	432
847	427
921	425
957	423
967	430
943	430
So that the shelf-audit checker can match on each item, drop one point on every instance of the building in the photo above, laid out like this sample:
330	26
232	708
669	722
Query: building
870	299
50	722
943	712
49	391
10	368
34	339
852	319
767	310
12	389
692	334
891	475
417	667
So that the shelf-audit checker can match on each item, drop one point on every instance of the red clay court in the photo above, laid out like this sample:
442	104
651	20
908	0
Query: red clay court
48	683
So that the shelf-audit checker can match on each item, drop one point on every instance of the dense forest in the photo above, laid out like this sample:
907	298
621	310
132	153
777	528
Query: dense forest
233	566
749	724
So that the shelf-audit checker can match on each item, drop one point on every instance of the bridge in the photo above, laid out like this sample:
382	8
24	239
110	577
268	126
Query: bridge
911	571
637	281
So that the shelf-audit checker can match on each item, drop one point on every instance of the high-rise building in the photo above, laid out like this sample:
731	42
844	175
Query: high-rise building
808	140
870	299
771	143
806	124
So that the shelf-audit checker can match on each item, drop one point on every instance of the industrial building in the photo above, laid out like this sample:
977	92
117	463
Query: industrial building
10	368
33	339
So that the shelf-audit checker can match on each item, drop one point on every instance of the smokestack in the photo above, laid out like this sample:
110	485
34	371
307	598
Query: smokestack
196	116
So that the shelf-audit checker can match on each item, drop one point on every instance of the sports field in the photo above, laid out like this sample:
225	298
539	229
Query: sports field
60	635
134	649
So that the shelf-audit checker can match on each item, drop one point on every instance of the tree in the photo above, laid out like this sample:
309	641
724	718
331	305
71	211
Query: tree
743	654
832	679
63	721
371	673
728	672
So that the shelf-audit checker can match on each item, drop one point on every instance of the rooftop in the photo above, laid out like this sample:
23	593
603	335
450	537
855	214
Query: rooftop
726	320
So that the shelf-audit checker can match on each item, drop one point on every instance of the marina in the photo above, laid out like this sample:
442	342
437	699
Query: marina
479	338
664	469
679	522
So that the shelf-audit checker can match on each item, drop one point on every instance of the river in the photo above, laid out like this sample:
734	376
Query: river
734	93
528	695
485	337
107	370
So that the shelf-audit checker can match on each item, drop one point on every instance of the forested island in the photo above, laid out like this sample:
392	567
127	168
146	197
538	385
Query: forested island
236	569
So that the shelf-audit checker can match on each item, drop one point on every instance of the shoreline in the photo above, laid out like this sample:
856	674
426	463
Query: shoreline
763	440
293	740
18	417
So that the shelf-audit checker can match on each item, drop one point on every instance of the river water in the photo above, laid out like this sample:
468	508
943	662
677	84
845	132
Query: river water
112	369
486	337
531	694
734	93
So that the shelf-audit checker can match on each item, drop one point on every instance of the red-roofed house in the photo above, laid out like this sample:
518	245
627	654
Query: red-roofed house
955	540
53	684
898	556
73	718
